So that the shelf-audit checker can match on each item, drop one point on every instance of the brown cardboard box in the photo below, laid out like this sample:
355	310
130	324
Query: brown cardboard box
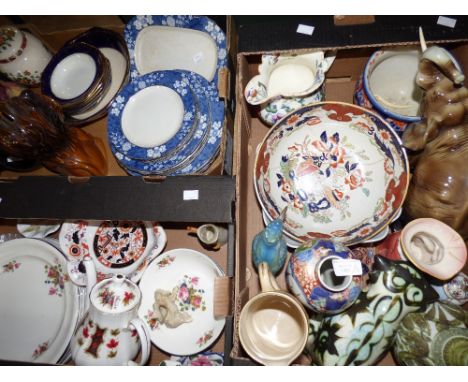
249	132
145	199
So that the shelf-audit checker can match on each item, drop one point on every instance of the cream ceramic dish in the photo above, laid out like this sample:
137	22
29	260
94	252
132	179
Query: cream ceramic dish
73	76
154	106
119	71
39	303
191	276
287	76
434	247
339	168
37	228
163	48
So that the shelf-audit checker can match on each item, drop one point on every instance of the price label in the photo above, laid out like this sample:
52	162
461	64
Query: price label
446	21
305	29
190	194
347	267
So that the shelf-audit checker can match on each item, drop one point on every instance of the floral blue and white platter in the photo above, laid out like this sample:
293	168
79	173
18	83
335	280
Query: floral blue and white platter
41	301
171	80
204	144
341	170
196	23
190	275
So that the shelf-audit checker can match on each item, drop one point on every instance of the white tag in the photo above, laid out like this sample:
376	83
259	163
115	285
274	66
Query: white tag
198	57
446	21
305	29
190	194
348	267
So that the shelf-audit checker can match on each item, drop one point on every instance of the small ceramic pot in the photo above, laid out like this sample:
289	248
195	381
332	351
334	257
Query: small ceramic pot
454	291
23	57
273	325
211	235
311	276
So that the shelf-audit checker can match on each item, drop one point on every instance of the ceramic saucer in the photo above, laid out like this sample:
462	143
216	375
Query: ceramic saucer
193	274
37	228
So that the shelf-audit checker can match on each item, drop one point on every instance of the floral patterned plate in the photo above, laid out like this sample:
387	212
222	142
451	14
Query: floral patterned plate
341	170
178	54
168	133
81	237
39	302
193	274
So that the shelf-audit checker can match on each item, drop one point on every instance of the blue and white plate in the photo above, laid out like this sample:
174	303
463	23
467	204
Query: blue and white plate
191	148
117	137
156	54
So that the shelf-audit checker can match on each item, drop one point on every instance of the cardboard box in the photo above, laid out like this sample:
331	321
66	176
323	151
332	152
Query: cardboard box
120	197
249	132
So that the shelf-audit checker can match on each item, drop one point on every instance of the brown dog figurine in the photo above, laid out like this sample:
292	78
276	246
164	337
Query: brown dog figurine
439	144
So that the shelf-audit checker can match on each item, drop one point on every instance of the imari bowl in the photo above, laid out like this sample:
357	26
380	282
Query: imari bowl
340	169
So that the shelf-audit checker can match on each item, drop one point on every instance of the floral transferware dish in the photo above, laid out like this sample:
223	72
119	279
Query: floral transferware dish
193	274
112	46
163	47
80	238
437	336
287	76
340	168
39	302
152	118
275	110
434	247
37	229
203	146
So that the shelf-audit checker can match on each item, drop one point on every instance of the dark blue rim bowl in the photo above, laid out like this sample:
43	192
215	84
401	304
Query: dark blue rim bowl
63	53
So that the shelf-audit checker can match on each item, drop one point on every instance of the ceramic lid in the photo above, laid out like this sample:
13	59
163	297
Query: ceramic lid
115	295
434	247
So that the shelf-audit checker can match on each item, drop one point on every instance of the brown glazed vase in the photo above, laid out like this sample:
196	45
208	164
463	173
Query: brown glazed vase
32	127
439	144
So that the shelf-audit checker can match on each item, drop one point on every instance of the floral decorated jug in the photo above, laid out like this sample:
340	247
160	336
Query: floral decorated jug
111	333
365	332
23	57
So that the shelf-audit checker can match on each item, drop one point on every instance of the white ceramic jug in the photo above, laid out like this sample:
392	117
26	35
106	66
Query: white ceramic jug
111	333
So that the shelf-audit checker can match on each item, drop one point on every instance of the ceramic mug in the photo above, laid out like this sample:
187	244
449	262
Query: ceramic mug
211	235
273	325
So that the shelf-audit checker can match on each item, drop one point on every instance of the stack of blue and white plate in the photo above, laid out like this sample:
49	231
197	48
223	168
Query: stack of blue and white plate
169	119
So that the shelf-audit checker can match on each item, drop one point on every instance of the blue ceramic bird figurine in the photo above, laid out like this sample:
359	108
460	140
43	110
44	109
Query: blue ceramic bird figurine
269	246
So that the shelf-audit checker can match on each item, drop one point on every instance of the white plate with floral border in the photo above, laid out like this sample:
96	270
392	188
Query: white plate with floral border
77	238
39	302
194	274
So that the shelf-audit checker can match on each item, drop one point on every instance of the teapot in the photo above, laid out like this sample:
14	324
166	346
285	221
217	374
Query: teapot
111	332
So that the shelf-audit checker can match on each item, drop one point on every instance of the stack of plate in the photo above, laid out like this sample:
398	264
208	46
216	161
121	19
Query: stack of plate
41	306
169	119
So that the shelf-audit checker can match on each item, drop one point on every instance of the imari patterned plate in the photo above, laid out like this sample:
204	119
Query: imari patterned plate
152	118
341	170
191	275
39	302
192	43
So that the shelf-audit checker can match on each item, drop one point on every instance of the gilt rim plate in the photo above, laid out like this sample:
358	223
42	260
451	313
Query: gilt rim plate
341	169
39	302
192	274
200	23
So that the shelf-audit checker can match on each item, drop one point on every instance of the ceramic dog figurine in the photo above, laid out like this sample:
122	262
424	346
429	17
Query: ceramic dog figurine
439	144
364	333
